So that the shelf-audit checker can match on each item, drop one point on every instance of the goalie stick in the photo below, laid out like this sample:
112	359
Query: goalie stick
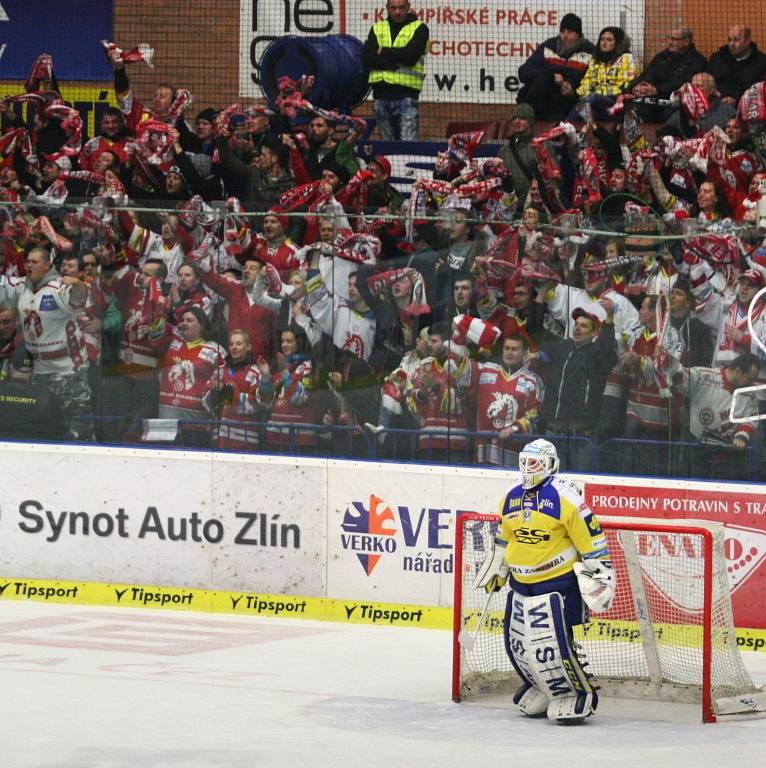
468	640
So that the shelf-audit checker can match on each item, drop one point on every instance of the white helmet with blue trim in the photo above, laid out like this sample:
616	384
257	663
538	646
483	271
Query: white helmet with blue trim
537	461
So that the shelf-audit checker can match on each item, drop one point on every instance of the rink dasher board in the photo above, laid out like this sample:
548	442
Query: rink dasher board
368	532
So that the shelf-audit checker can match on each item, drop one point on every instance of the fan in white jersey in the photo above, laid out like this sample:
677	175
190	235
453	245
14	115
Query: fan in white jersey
726	313
48	305
709	392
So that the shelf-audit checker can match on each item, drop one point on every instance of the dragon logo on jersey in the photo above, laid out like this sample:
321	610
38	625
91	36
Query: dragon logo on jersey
32	322
370	533
354	343
502	410
132	323
181	374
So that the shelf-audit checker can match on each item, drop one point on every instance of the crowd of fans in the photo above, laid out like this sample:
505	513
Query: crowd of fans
251	280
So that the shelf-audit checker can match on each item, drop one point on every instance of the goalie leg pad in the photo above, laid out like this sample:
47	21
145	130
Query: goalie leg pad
529	699
572	710
549	661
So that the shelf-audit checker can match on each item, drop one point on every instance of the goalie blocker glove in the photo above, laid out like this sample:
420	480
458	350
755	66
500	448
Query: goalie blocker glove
597	582
493	572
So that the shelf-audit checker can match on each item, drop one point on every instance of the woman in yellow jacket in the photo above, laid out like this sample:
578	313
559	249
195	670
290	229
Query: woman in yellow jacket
611	70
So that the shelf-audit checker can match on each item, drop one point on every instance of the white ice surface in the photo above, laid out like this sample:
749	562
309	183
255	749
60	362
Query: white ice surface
93	688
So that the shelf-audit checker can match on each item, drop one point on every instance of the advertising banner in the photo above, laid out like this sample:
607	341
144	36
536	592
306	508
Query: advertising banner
391	528
241	604
68	31
743	513
476	49
162	517
89	100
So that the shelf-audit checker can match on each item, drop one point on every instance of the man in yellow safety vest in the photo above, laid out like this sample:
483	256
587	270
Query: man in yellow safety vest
394	53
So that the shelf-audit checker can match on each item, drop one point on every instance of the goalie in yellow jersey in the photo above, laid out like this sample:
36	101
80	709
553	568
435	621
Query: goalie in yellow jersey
551	551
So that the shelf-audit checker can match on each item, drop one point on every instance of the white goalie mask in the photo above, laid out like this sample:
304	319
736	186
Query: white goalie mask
537	461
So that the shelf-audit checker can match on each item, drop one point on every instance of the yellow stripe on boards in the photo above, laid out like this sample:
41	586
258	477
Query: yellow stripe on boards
217	601
329	609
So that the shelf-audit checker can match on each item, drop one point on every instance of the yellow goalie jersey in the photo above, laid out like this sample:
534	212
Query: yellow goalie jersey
547	529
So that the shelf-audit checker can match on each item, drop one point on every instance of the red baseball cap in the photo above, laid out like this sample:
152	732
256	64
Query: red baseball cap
384	163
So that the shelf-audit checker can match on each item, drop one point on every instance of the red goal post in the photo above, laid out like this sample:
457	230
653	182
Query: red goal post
669	634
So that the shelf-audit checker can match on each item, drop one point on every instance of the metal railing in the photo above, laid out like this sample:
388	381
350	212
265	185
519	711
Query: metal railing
577	453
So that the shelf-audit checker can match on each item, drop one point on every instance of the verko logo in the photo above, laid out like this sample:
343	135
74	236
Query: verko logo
416	539
370	531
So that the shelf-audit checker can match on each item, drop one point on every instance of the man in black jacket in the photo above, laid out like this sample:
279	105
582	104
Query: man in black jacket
667	72
737	65
264	178
578	368
718	113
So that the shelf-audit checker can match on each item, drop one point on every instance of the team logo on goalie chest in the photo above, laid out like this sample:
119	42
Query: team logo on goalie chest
531	535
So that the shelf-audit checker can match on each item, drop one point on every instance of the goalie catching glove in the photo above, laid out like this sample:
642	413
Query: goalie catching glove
493	572
597	583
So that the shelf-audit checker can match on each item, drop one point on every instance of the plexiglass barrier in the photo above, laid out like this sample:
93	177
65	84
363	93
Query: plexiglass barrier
438	335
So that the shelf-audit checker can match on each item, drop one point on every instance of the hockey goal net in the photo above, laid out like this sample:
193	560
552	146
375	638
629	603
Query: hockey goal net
669	634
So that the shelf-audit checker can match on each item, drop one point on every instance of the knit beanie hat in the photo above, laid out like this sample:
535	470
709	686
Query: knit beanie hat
59	159
339	170
279	213
572	22
177	171
208	114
